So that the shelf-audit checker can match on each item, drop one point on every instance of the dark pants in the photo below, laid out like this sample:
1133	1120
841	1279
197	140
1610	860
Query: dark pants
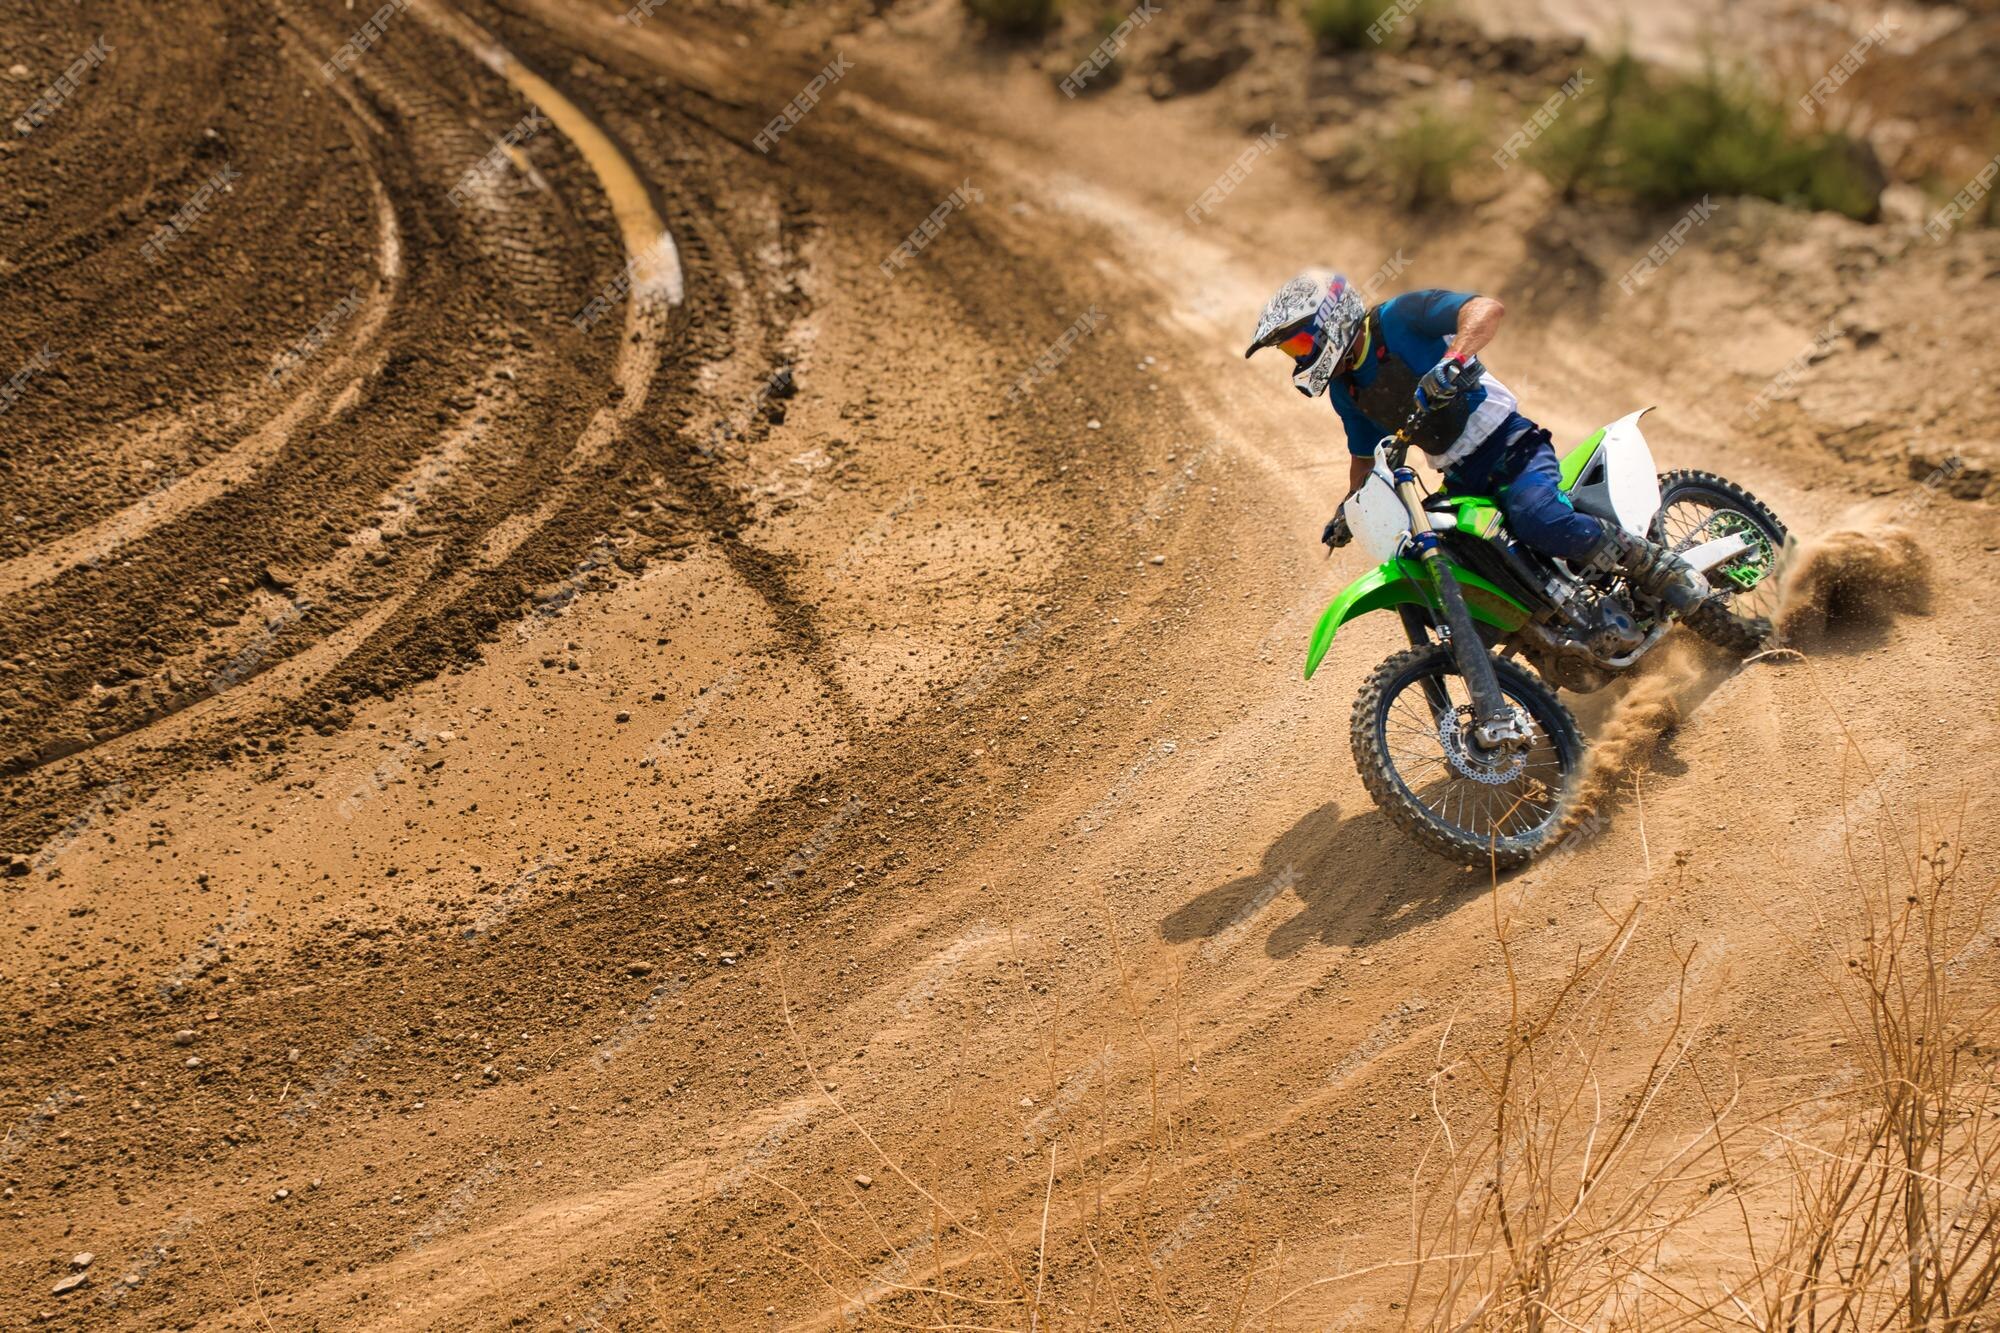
1526	480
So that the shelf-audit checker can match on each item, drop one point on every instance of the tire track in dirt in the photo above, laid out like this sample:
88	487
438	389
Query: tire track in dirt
567	938
1206	987
514	250
158	355
359	357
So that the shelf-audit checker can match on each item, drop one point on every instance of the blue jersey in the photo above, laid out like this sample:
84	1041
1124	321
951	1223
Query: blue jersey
1418	329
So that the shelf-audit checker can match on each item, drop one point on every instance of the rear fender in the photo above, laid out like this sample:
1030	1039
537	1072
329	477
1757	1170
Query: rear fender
1402	582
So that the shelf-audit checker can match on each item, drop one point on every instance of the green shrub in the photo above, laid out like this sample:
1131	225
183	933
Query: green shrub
1342	25
1026	18
1666	138
1574	152
1424	155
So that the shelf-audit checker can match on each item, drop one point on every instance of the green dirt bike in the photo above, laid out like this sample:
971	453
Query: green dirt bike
1466	749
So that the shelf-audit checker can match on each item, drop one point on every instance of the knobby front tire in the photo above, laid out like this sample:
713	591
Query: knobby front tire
1405	759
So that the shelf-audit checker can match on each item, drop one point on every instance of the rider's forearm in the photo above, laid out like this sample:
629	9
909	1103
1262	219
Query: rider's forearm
1357	472
1478	321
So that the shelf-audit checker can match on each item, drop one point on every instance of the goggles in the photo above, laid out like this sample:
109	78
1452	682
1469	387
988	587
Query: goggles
1300	344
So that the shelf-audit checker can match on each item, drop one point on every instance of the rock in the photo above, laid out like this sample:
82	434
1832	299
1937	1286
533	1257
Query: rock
18	865
279	1196
17	71
1156	560
82	1261
639	969
281	578
185	1037
193	1062
1061	70
623	717
781	384
1904	205
69	1284
864	1181
1196	66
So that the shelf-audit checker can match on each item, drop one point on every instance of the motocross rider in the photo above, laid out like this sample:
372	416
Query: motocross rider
1376	363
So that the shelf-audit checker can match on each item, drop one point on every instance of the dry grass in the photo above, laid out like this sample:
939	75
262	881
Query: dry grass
1527	1213
1566	1185
1552	1200
1894	1221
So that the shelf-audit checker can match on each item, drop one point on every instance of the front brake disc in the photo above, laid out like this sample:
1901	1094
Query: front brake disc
1494	768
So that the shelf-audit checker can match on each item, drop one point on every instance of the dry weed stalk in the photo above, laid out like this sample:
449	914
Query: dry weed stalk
1538	1203
1897	1218
1544	1203
1567	1186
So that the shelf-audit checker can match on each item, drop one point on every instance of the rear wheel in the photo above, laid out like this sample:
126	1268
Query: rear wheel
1697	507
1411	731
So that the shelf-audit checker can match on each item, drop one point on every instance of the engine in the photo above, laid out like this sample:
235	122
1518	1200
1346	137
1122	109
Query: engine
1574	653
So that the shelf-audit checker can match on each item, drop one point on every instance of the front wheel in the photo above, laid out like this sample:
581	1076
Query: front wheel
1696	507
1412	736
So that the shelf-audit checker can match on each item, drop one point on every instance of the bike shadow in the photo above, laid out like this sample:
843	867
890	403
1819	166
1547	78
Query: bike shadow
1356	881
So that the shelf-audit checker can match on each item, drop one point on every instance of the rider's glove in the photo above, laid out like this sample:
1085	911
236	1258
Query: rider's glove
1337	532
1446	380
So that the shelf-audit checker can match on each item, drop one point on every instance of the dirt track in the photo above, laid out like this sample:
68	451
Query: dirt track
528	825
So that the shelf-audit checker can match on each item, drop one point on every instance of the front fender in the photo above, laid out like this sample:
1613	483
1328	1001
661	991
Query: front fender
1400	582
1388	584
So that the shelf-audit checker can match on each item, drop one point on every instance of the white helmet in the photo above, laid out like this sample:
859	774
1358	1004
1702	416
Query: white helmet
1323	313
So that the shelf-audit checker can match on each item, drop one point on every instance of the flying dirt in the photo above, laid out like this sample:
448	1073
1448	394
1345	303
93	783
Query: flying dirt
653	674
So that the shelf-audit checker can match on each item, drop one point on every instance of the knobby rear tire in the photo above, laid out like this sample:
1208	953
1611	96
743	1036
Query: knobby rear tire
1741	635
1715	619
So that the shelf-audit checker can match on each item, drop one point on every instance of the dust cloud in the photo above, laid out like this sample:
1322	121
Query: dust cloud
1861	574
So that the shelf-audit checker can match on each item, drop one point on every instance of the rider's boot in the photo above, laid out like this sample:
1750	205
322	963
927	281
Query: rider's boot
1654	570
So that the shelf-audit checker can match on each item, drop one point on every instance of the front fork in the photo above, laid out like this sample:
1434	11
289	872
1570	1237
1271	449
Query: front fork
1494	723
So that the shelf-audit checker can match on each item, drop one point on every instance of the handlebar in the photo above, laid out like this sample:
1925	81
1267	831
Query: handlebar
1397	446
